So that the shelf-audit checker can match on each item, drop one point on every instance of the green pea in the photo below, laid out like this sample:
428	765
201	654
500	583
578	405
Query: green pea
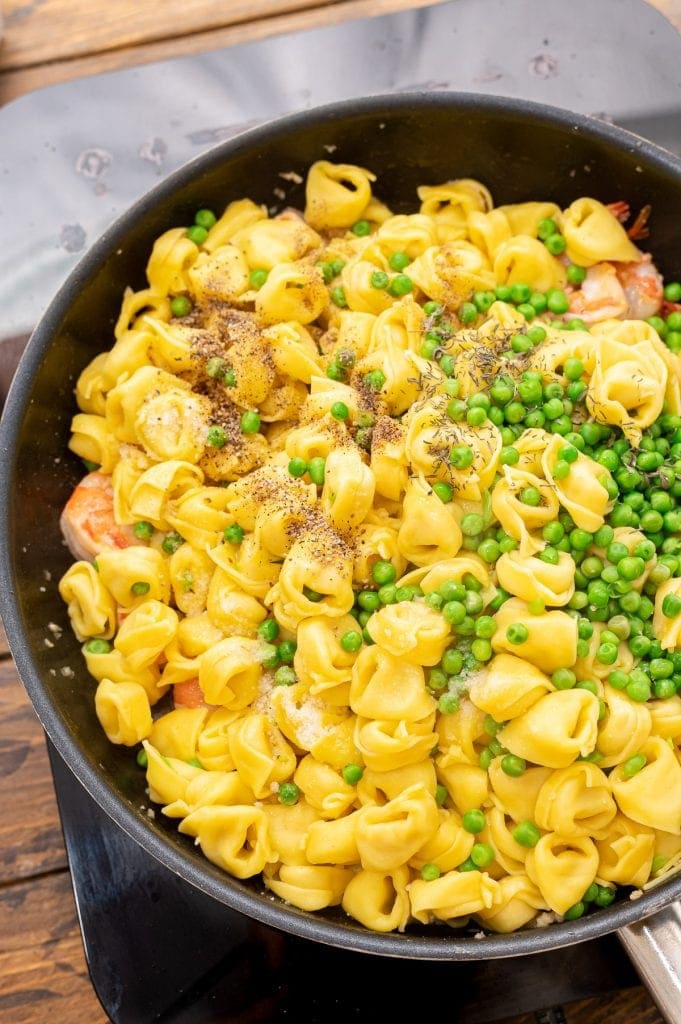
556	244
575	274
180	305
339	411
489	550
481	650
473	602
448	704
664	688
517	633
383	572
461	456
441	794
444	491
143	530
269	630
317	470
352	774
454	612
250	422
633	765
368	600
437	679
605	897
473	821
269	656
287	650
530	496
638	690
288	794
619	679
563	679
513	766
485	759
530	391
285	676
475	417
171	542
452	590
671	606
527	834
400	285
334	371
379	279
452	661
472	524
205	218
580	539
574	912
557	301
257	278
361	228
216	437
603	536
660	668
491	726
482	855
98	646
351	641
197	234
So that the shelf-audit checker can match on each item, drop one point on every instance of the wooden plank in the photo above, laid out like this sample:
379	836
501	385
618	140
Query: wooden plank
43	31
634	1005
631	1006
47	30
15	82
30	837
4	646
43	975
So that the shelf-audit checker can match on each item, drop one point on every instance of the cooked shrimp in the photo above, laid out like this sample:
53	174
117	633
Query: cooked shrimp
87	522
601	296
621	290
639	228
188	694
620	209
643	287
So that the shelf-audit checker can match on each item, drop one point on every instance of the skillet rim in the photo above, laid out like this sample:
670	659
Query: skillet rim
265	908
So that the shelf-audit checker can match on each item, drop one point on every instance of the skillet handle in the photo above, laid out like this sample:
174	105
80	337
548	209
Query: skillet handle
654	947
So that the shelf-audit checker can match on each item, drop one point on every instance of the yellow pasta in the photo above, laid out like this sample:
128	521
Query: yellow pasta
376	558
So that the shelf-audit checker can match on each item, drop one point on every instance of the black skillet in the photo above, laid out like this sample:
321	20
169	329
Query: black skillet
521	151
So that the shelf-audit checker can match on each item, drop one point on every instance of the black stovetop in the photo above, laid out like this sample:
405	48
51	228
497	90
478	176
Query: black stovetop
158	950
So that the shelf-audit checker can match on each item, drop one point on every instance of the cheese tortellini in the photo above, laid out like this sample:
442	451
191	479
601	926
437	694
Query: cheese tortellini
376	560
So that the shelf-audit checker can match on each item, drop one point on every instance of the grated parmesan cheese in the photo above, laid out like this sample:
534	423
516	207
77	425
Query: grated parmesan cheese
545	919
307	717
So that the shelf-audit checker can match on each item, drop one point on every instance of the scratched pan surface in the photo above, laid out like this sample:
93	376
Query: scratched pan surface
521	151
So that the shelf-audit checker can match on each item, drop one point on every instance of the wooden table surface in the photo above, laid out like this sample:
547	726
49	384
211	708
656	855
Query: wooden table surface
43	974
